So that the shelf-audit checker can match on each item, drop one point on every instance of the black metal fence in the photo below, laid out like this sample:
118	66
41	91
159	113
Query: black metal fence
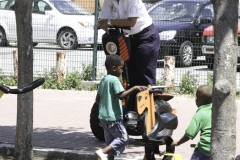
56	28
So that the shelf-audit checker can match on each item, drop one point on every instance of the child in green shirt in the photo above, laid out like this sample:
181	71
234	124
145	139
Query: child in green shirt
109	95
201	121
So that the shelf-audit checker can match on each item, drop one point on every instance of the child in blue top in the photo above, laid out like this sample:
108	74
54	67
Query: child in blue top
109	96
201	121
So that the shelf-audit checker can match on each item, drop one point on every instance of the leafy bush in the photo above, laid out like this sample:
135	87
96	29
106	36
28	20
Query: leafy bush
188	84
50	79
210	79
87	72
7	80
72	81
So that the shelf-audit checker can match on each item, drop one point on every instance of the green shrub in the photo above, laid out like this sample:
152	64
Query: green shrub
87	72
50	79
72	81
160	82
188	84
210	79
8	80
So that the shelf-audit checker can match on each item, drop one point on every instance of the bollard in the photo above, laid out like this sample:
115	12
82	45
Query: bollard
15	62
169	66
61	66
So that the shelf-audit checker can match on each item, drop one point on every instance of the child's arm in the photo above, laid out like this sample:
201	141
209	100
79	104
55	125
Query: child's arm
130	91
97	99
181	141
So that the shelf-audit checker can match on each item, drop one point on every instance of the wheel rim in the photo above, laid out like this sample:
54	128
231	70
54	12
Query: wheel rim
68	40
187	53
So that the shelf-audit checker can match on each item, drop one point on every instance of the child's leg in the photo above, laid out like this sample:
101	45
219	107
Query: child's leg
102	153
116	138
107	149
110	157
120	139
199	156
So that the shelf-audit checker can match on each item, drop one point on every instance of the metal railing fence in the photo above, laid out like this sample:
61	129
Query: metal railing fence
84	55
46	58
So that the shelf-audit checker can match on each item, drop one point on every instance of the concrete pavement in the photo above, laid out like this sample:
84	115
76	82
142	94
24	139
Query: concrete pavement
61	125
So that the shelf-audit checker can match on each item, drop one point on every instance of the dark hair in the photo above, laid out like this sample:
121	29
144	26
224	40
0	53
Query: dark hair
113	60
204	94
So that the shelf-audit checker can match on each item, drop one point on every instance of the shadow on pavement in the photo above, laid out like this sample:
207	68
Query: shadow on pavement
69	138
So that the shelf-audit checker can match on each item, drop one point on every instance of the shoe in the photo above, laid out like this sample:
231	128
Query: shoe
101	156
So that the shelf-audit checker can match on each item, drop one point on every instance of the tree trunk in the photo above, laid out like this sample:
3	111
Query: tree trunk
223	139
23	141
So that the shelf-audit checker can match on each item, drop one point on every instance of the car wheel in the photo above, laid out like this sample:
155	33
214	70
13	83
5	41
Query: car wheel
97	130
185	56
209	60
3	40
35	44
67	39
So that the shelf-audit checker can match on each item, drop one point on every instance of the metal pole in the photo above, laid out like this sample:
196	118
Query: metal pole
94	68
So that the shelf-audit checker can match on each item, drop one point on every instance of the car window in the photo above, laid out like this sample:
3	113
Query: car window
69	7
6	4
3	4
239	11
172	11
39	6
207	12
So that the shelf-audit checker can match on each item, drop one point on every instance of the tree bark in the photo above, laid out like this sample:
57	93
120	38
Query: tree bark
23	141
223	138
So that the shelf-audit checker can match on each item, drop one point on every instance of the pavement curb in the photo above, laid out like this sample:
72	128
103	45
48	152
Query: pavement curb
50	153
7	150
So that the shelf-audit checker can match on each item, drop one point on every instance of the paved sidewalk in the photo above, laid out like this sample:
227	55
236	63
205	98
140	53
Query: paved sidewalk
61	121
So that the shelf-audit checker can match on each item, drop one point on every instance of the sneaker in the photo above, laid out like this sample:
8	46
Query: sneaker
100	154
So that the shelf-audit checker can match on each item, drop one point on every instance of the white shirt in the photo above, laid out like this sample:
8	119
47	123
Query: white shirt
125	9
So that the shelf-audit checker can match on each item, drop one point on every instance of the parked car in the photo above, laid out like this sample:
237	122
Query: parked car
208	44
180	24
53	21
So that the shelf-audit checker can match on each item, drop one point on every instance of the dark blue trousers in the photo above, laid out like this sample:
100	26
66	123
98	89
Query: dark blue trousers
143	62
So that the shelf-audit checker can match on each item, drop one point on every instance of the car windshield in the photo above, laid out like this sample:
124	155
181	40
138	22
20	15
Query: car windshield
69	7
6	4
174	11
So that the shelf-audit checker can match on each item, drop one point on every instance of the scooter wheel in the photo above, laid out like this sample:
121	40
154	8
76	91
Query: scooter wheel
97	130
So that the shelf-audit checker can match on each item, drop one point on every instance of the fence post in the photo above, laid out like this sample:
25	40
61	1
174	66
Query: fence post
169	66
61	66
94	66
15	63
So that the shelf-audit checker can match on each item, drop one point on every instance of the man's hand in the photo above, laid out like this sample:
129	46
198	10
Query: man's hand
102	23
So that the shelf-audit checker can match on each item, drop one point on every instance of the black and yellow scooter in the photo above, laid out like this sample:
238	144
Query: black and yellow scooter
154	118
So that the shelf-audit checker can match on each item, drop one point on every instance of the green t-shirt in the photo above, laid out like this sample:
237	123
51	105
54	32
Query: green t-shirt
201	121
110	106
